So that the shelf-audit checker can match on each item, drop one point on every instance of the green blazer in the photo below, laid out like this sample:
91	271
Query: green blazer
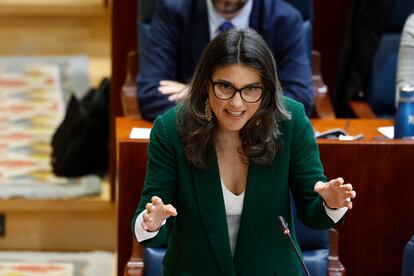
198	240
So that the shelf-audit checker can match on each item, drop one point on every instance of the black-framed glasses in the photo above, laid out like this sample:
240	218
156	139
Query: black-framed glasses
224	90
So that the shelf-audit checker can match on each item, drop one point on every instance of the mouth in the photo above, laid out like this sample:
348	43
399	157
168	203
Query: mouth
235	114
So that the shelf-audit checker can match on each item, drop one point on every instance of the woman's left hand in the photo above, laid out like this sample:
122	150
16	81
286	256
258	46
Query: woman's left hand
335	193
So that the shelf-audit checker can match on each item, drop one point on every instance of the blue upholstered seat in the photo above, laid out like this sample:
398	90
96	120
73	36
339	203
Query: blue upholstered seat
407	268
153	261
315	248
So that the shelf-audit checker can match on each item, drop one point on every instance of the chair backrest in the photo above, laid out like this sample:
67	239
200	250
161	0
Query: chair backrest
381	85
407	268
314	245
146	8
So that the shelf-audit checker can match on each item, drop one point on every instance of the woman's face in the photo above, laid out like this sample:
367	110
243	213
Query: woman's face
232	114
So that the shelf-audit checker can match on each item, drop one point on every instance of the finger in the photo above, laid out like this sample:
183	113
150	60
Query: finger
166	90
170	210
183	93
156	200
350	194
179	96
173	97
176	97
147	218
336	182
349	204
345	195
167	82
148	207
347	187
144	226
319	186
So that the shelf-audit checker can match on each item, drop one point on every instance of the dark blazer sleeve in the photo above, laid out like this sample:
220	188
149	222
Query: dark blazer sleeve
160	178
305	169
160	59
283	30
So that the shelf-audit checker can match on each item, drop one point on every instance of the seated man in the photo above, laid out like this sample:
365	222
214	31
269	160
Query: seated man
180	30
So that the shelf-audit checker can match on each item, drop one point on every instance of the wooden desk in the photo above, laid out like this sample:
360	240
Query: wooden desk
381	171
376	230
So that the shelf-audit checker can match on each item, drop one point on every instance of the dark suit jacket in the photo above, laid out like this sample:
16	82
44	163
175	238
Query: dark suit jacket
179	32
366	25
198	236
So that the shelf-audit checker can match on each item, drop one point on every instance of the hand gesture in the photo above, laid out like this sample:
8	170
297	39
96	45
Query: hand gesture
335	193
175	90
156	213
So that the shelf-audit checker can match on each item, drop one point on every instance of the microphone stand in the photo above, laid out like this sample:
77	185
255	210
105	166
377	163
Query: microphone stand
286	232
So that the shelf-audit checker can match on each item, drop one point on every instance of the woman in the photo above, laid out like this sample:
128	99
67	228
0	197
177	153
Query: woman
220	167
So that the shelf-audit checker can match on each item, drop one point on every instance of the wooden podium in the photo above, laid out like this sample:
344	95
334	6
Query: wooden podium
381	171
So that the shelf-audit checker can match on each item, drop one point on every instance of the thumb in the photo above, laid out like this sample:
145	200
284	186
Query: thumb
170	210
319	186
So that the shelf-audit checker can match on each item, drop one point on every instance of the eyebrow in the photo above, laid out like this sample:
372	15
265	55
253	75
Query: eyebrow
232	84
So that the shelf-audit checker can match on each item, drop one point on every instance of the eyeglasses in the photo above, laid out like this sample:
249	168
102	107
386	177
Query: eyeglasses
225	91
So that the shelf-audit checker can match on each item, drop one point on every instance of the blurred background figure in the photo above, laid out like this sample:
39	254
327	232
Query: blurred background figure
181	29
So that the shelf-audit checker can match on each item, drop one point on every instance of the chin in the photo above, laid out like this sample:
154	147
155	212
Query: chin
232	126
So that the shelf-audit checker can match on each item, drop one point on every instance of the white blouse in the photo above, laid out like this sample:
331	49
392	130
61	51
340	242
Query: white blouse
234	207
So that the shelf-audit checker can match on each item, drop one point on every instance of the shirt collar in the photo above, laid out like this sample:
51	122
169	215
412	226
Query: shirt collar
240	21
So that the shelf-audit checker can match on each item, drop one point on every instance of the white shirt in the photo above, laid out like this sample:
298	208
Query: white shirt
233	204
240	21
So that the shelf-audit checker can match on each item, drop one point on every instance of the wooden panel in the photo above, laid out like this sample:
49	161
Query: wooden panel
124	37
330	19
131	173
61	225
377	228
55	32
381	222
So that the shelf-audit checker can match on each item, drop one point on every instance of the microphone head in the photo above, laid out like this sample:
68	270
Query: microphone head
284	226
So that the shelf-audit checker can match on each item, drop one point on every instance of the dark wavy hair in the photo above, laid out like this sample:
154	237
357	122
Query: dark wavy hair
260	136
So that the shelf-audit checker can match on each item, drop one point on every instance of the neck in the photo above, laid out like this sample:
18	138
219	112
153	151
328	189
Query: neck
228	139
230	16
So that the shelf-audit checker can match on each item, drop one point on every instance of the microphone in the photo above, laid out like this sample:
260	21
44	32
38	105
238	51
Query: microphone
286	232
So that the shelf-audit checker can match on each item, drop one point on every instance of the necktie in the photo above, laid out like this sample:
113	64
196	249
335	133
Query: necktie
226	25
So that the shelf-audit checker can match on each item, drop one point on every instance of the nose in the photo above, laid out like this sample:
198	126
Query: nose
236	101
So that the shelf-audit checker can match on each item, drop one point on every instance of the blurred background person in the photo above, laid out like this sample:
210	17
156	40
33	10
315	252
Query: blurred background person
181	29
405	67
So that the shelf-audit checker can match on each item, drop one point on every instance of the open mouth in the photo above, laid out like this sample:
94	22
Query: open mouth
235	113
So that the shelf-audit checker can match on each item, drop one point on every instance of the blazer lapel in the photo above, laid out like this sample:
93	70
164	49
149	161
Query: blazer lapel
257	197
210	199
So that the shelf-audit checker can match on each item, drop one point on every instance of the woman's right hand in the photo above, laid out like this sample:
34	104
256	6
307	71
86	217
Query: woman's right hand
156	213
